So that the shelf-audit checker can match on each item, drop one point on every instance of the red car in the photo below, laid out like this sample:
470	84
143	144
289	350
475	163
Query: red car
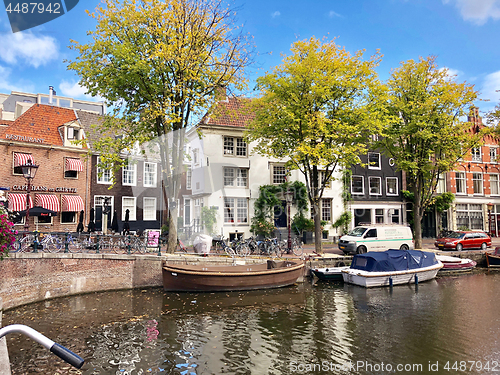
461	240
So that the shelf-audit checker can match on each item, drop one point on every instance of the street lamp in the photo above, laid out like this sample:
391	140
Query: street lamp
490	208
289	199
29	171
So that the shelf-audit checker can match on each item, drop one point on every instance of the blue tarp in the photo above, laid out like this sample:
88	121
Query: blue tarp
393	260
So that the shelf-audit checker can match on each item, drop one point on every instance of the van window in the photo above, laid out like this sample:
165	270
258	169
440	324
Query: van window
357	232
371	233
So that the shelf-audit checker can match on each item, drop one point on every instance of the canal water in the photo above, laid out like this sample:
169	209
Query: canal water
450	325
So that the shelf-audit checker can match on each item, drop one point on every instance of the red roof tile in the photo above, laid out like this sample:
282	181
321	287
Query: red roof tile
39	122
235	112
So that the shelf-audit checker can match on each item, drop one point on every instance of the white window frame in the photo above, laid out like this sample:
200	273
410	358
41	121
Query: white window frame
150	175
149	215
476	154
477	180
187	207
370	165
362	185
493	154
73	221
129	168
373	178
326	210
278	178
132	208
379	214
234	146
235	178
189	178
387	186
494	182
461	180
235	210
107	177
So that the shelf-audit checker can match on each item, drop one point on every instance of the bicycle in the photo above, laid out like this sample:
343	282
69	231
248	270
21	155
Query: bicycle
227	249
51	243
129	244
296	248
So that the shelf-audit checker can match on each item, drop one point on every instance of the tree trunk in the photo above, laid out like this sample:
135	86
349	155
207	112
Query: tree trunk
318	243
417	219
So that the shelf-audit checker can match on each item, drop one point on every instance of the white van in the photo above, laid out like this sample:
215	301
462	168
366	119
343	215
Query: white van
376	238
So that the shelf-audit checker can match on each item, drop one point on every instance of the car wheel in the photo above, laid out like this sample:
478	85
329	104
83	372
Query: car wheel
484	246
361	250
404	247
460	247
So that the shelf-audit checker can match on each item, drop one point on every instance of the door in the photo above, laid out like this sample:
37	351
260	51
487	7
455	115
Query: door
280	217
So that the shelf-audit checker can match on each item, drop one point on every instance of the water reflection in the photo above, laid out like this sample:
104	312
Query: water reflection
303	329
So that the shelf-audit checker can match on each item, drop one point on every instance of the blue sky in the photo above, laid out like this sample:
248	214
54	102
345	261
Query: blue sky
461	33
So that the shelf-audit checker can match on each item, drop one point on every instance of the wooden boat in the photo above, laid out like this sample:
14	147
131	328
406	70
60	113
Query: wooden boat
329	274
493	259
219	278
392	267
454	264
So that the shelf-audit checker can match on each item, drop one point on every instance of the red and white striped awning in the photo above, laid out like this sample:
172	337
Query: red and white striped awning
22	159
72	203
17	202
48	201
74	164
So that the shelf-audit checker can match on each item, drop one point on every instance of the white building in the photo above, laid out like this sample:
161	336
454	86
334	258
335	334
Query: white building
226	174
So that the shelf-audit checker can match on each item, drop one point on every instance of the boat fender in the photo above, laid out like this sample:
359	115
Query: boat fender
390	281
326	270
416	279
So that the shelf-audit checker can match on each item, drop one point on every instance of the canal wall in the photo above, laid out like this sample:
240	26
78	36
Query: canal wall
4	355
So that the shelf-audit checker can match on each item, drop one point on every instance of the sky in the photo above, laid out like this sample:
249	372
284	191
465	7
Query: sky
460	33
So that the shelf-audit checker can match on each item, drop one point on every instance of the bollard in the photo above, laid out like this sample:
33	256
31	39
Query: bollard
97	245
35	242
159	247
128	246
390	282
416	279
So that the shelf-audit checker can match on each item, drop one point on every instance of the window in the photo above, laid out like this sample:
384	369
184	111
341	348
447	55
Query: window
379	215
68	217
103	174
235	209
469	216
70	174
477	182
237	177
357	185
375	185
395	216
326	209
476	154
150	174
73	133
493	154
441	185
494	184
21	159
196	156
130	204
373	160
327	184
149	210
235	146
129	174
391	186
461	182
189	178
279	174
187	212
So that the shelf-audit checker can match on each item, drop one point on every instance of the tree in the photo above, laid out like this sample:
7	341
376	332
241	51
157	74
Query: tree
424	132
314	110
159	65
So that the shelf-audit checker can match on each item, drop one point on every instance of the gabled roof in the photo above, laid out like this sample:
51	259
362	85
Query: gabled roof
41	123
235	112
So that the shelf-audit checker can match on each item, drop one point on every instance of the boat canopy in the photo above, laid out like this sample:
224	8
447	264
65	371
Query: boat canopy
393	260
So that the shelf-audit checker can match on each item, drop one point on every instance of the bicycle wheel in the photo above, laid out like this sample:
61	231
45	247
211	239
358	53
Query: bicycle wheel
297	247
138	246
229	251
242	249
106	244
25	244
52	244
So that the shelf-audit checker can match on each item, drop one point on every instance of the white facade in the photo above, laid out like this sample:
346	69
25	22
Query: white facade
225	171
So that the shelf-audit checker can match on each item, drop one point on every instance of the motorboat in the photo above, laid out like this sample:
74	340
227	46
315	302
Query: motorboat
329	273
493	259
392	267
219	278
454	264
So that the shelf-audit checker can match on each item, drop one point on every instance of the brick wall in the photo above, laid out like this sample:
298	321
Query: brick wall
32	277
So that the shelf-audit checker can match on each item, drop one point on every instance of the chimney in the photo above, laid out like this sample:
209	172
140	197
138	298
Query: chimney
52	92
474	117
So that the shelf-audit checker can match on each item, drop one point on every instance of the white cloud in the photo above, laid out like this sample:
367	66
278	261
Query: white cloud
332	14
477	11
489	90
276	14
30	49
451	73
74	90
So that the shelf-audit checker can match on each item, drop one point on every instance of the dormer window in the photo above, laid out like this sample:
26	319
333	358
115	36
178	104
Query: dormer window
72	133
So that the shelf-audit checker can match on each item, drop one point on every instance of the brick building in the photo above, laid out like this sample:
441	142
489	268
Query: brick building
45	135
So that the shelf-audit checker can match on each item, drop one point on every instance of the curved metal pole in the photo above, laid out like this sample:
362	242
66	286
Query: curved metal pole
59	350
